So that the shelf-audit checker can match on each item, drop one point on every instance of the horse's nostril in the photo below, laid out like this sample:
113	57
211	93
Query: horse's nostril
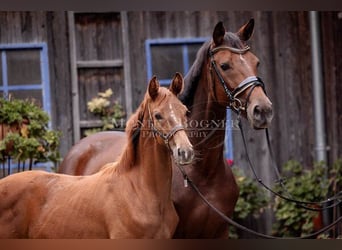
257	111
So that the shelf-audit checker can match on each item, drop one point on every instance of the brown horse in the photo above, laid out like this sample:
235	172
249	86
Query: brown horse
127	199
223	74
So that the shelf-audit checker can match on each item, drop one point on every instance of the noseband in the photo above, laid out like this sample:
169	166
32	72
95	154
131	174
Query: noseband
164	136
252	81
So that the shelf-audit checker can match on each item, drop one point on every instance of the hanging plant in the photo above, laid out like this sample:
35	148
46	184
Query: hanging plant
24	132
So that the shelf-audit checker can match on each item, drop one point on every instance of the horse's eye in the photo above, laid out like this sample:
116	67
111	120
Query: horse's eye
158	116
188	113
225	66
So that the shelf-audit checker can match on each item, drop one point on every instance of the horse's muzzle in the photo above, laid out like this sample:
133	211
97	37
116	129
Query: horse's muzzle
261	116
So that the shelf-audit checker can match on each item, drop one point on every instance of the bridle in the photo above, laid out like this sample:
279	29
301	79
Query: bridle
164	136
252	81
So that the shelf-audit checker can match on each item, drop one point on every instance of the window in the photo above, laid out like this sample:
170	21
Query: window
165	57
24	72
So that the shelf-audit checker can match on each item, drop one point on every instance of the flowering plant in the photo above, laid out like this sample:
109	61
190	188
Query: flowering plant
108	111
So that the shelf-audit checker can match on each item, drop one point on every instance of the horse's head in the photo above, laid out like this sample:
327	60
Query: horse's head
168	117
234	70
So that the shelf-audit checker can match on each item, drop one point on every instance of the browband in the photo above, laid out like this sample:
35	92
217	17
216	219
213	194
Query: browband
234	50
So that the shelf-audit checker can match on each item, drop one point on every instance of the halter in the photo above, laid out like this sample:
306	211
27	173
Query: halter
165	137
251	81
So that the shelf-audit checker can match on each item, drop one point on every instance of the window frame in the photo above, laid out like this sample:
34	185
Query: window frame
44	85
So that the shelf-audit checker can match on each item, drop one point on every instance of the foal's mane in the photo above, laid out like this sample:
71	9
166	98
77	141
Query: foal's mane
133	128
192	78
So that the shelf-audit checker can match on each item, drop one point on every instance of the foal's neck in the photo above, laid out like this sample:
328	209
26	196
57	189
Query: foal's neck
154	166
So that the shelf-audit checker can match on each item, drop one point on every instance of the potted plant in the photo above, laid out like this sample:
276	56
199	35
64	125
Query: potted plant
25	134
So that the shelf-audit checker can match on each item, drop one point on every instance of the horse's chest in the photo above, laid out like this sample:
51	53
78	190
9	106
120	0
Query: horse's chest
197	219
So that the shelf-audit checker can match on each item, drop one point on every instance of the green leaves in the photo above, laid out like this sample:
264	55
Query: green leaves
252	199
304	185
311	184
27	135
15	111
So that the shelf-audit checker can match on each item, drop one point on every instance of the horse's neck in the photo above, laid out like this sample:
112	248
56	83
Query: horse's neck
209	143
154	169
209	114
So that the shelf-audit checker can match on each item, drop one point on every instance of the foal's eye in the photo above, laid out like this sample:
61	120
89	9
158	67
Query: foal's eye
158	116
225	66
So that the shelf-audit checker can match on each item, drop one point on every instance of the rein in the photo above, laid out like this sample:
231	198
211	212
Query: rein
187	181
252	81
337	198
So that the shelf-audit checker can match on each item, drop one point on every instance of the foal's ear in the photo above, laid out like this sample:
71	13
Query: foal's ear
177	84
246	31
153	87
218	33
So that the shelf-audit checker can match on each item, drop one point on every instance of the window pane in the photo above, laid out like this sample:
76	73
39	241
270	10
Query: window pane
166	60
28	94
23	67
192	50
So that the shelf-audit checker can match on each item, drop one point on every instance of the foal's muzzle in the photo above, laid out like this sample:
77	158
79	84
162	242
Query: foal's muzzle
183	155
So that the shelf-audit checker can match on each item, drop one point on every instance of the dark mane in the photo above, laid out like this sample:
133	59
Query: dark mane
133	127
194	74
192	77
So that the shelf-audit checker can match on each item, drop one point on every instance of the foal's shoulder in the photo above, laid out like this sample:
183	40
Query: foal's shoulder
25	175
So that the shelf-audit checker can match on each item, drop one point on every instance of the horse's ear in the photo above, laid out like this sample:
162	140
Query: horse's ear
177	84
153	87
246	31
218	34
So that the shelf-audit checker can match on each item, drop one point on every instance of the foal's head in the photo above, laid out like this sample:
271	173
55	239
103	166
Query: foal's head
234	70
165	117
